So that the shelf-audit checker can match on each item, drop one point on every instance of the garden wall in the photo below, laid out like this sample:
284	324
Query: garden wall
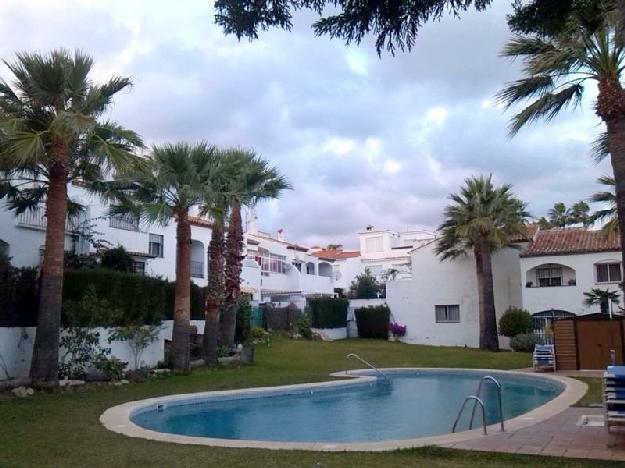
16	345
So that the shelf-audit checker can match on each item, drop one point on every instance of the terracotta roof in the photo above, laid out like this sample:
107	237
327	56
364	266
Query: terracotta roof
197	221
336	254
571	241
531	230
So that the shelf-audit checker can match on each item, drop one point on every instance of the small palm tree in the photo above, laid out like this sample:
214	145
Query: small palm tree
558	215
556	71
252	180
174	179
607	215
602	297
51	132
580	214
482	218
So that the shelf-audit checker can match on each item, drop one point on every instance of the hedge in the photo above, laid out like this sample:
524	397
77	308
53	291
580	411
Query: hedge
373	321
136	298
328	312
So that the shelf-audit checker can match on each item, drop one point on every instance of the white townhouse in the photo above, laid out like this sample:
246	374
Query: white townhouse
439	302
384	250
560	265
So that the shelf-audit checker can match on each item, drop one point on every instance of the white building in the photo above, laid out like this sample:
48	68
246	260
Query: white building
559	266
439	303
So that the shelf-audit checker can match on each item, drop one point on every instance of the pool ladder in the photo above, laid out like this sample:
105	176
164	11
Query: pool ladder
478	401
366	363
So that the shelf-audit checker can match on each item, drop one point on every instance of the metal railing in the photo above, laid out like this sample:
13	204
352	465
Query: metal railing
127	222
37	218
366	363
477	401
197	269
489	378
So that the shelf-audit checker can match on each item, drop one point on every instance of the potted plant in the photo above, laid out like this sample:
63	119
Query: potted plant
397	330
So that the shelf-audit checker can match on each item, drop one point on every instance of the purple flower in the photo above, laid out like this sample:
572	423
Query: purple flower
397	329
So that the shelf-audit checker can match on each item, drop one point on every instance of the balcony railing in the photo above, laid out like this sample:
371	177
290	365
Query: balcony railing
38	220
127	222
197	269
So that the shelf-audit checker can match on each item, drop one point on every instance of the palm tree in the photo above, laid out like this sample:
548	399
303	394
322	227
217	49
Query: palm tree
252	181
609	213
579	214
482	218
50	134
173	180
557	68
603	297
558	215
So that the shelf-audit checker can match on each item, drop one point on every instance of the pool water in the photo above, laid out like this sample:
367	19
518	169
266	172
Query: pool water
409	405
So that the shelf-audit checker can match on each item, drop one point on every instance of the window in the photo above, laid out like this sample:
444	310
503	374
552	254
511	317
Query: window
156	245
373	244
269	262
447	313
549	276
139	268
608	272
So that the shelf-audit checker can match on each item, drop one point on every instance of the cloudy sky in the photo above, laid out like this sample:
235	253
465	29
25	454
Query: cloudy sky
363	140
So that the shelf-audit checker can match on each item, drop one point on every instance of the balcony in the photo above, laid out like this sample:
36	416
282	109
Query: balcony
36	219
126	222
197	269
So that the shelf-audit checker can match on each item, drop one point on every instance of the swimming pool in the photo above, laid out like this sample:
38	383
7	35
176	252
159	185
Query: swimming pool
416	407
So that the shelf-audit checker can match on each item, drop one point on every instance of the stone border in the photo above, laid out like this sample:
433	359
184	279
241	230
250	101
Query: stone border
117	418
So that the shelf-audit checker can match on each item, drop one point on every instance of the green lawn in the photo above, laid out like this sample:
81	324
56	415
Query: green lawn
594	395
62	429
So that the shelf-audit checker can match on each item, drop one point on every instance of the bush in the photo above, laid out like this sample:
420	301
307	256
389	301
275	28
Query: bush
373	321
244	316
302	326
523	342
365	286
515	321
117	259
328	312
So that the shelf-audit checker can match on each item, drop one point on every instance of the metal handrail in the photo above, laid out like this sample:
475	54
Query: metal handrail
492	379
477	400
365	362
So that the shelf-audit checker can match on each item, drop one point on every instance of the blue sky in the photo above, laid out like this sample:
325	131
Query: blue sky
363	140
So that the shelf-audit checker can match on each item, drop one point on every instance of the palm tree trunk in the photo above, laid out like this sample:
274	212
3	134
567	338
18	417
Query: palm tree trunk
214	294
620	6
45	360
611	109
234	247
488	317
182	295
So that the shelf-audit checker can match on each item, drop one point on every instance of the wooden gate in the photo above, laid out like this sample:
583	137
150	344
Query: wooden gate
586	342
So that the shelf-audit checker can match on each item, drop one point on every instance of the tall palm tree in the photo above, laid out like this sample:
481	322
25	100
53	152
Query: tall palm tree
558	215
482	218
50	133
556	70
253	180
172	181
608	214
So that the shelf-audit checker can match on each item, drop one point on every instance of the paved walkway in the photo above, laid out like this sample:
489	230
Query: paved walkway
558	436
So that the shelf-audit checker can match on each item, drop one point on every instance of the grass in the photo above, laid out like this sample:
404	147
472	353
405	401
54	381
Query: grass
62	429
594	395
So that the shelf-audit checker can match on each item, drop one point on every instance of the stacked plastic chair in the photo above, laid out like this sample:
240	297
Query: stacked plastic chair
544	357
614	396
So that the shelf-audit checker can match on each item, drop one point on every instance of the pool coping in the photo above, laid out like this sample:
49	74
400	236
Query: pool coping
117	418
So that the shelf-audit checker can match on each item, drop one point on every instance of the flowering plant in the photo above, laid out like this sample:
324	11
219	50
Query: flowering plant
397	329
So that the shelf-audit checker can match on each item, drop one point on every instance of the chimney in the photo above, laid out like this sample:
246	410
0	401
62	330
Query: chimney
280	234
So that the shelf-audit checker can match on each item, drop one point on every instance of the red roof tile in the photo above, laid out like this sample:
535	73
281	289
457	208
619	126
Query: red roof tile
530	232
336	254
571	241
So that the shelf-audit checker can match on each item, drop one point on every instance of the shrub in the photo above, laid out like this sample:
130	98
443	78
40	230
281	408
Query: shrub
328	312
523	342
244	316
515	321
365	286
302	326
138	338
117	259
259	335
82	350
373	321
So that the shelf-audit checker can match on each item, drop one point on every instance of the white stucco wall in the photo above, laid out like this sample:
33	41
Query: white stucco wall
568	298
412	302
